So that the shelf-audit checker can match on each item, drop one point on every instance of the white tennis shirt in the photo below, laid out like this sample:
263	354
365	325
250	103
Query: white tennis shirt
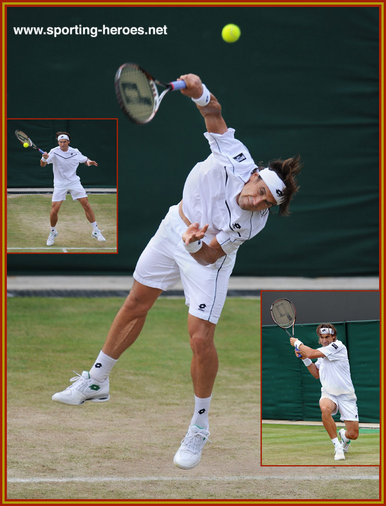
334	369
64	165
211	188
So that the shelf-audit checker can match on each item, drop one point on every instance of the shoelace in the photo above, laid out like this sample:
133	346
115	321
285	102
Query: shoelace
195	441
75	379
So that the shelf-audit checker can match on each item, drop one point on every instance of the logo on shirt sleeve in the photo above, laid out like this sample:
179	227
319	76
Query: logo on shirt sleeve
240	157
334	345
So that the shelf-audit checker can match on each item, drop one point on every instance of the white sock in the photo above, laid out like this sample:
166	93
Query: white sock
53	229
335	442
102	367
201	411
94	225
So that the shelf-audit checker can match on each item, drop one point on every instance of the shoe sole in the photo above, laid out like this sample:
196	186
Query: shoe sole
186	468
96	399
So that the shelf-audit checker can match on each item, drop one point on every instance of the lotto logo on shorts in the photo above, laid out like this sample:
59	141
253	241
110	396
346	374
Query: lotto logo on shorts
201	307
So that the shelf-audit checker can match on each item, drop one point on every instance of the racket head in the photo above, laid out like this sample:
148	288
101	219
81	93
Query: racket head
136	93
283	313
23	137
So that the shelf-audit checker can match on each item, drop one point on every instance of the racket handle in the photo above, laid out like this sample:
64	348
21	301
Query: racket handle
41	151
178	85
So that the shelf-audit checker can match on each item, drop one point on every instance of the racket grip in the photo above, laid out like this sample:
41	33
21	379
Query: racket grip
41	151
178	85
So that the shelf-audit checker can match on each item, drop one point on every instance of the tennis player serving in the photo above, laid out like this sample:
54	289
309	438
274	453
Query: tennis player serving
332	368
226	201
65	161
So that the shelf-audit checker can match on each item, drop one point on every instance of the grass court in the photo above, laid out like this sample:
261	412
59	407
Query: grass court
28	225
123	449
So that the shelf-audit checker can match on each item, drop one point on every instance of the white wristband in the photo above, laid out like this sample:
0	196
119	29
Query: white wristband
44	160
297	343
193	247
205	97
306	361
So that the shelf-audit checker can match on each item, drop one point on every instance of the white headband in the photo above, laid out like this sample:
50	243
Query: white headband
325	330
274	183
63	137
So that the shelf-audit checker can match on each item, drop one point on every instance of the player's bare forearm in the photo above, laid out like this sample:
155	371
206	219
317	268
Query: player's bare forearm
211	113
313	370
306	351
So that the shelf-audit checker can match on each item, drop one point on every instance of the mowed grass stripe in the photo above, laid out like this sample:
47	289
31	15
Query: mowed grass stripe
28	223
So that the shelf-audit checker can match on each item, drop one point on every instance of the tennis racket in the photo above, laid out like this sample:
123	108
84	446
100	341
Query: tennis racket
23	138
137	92
283	313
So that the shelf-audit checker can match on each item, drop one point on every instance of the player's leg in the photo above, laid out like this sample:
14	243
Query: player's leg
130	319
54	212
205	291
155	271
126	327
90	215
350	433
349	411
328	408
204	366
80	194
352	429
204	363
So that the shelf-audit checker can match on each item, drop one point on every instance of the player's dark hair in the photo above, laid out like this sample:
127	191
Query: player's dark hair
62	133
327	326
287	170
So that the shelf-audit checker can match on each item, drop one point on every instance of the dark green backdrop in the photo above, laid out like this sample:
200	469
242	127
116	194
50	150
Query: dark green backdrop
96	139
289	392
300	80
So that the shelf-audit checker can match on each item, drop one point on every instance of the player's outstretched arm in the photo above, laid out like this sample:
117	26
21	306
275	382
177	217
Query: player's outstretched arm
211	112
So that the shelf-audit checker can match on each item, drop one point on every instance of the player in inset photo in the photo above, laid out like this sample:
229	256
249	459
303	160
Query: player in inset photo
65	161
332	368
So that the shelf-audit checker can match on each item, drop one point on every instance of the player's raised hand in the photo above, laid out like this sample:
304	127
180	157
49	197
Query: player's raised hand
194	233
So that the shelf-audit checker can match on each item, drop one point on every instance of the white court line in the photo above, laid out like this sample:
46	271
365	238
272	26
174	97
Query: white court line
122	479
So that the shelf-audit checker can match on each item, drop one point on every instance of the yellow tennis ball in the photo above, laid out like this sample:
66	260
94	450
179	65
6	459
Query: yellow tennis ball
25	145
231	33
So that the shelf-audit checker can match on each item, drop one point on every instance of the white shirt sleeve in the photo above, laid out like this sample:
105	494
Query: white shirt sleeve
231	153
331	352
81	158
227	243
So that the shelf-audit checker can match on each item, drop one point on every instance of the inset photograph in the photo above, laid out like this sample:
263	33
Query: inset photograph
320	378
62	186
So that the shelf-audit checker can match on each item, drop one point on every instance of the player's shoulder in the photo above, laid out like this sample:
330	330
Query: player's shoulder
336	346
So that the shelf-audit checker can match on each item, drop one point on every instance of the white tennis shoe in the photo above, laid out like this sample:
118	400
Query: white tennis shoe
339	453
97	234
51	237
83	388
189	453
345	442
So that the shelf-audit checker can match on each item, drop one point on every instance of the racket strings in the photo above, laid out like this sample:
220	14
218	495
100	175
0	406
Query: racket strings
138	93
23	137
283	313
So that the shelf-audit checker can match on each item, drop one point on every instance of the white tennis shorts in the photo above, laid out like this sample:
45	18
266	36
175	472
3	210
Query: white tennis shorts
165	261
76	189
346	404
